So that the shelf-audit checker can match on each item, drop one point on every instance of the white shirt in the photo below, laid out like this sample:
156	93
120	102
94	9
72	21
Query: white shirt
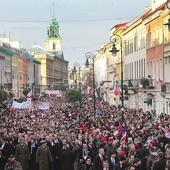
2	146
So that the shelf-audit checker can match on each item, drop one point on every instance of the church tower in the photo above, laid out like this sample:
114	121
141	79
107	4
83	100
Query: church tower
53	40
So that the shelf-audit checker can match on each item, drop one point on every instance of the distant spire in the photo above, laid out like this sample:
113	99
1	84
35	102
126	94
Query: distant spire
4	36
53	10
9	35
53	28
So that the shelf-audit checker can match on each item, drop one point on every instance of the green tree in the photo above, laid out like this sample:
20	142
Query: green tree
3	95
26	91
73	95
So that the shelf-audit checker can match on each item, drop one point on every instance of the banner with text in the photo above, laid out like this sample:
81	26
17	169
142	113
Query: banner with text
24	105
44	106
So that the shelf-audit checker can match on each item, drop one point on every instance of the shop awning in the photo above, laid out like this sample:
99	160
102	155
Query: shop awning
148	101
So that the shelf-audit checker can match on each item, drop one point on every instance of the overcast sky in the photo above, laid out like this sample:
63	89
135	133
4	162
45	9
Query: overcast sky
84	24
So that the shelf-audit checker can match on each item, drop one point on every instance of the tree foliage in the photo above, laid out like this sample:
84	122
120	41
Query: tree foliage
3	95
26	91
73	95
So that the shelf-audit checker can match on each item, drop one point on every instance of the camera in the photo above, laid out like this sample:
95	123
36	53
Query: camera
81	161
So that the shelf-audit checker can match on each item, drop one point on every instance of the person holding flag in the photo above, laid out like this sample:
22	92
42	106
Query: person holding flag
30	95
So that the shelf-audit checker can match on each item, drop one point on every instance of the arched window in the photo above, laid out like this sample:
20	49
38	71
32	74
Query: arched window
54	46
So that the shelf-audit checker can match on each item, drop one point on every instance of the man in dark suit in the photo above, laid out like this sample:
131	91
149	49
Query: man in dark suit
99	160
4	146
32	150
137	164
3	161
161	163
55	147
67	158
129	162
112	160
85	152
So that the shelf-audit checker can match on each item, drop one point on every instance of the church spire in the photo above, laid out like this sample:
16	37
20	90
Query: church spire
52	11
53	27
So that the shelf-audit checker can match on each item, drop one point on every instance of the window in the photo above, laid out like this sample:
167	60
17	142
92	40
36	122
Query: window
148	40
154	69
137	68
158	69
134	43
128	48
135	71
54	46
161	68
151	69
141	41
144	67
125	48
160	33
132	70
153	38
156	36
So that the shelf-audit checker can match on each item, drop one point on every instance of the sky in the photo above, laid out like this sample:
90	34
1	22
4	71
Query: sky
84	24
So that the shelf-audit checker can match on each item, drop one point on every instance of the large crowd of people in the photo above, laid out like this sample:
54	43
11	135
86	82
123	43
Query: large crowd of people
67	137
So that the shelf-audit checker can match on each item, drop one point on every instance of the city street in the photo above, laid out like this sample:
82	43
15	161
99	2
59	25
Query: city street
85	85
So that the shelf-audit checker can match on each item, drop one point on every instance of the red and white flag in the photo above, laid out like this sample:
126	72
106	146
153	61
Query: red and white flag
30	95
117	89
123	137
116	133
160	81
13	110
88	91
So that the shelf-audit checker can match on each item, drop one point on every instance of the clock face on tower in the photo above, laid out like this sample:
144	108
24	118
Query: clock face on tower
168	4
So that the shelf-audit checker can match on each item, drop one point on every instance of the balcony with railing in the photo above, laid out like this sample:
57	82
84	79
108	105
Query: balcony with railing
165	88
143	83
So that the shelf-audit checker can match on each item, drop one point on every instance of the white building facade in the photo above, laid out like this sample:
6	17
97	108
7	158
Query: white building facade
134	39
100	66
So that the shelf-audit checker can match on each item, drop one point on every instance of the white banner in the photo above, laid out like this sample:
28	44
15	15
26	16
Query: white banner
44	106
53	92
24	105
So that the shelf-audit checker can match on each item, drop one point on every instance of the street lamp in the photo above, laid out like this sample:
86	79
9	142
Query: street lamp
75	65
114	51
1	79
88	56
168	23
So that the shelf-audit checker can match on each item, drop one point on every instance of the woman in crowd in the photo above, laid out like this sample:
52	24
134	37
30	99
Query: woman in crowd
87	165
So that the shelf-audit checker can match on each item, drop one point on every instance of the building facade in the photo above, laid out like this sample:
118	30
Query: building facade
155	54
134	47
54	68
18	69
165	87
5	68
146	60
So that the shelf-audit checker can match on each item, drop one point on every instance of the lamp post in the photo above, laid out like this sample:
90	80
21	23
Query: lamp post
75	65
168	23
1	79
114	51
88	56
